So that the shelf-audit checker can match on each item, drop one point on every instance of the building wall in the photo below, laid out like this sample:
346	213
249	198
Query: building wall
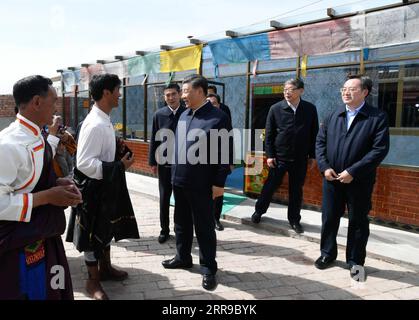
140	150
395	196
7	110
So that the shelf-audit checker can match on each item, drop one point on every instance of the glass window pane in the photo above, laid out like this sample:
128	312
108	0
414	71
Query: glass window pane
322	88
116	118
135	112
155	100
83	105
396	90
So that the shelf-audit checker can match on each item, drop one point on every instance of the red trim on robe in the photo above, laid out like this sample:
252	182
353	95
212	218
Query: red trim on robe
40	147
25	207
27	125
33	176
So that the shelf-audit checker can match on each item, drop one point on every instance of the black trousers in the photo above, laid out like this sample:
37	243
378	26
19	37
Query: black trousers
165	191
357	198
193	208
218	207
297	171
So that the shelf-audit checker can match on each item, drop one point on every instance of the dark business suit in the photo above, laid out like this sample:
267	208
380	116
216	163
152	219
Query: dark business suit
226	109
290	139
358	150
218	202
192	186
163	119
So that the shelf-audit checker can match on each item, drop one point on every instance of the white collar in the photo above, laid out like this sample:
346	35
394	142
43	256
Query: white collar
292	106
100	113
173	110
356	109
28	125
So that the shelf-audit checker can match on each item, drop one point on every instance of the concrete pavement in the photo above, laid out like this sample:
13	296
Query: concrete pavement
267	261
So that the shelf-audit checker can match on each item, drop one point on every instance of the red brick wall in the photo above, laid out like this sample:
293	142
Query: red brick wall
7	106
395	197
140	150
59	106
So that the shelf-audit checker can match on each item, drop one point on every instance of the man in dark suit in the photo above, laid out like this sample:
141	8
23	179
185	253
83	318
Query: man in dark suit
213	90
198	176
165	118
218	202
352	142
291	129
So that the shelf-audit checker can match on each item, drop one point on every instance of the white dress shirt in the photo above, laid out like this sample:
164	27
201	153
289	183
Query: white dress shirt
350	115
21	161
294	108
173	110
96	143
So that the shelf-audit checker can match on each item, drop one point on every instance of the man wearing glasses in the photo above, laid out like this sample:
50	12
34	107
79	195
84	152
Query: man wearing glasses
291	129
352	142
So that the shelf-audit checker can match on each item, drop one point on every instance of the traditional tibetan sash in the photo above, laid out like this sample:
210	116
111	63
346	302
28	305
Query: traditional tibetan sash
33	271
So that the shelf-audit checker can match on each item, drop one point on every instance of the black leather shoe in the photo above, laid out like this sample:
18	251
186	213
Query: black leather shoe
256	217
176	264
219	226
209	282
163	238
297	227
323	262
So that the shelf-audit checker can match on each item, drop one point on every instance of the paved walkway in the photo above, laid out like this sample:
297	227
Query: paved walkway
260	262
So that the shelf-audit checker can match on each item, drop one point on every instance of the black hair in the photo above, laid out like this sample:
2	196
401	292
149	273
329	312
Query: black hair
213	88
102	82
209	95
197	81
298	83
172	85
366	82
25	89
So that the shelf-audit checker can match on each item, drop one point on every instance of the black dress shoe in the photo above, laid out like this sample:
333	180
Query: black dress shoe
297	227
256	217
176	264
163	238
209	282
323	262
219	226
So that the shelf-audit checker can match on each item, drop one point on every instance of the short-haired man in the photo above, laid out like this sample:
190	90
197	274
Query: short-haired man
196	184
32	200
291	129
107	212
213	90
352	142
165	118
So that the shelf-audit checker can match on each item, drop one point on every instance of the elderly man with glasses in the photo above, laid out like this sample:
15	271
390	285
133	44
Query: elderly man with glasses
291	129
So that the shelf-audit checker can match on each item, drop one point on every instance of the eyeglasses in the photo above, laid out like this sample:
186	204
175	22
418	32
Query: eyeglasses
290	90
350	89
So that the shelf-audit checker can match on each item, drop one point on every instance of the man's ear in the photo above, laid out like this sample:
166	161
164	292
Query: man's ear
106	92
366	93
36	102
